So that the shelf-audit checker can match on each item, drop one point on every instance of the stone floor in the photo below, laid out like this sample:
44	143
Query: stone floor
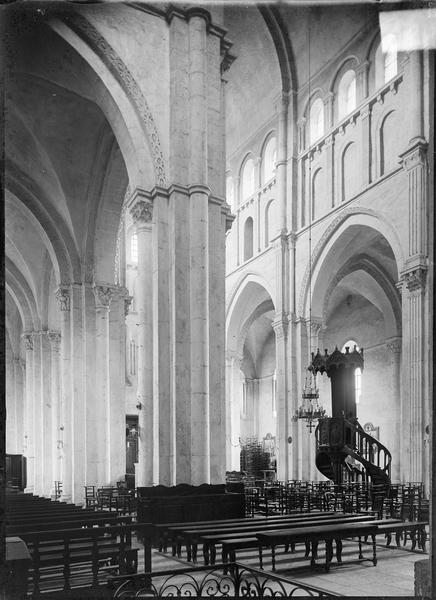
393	576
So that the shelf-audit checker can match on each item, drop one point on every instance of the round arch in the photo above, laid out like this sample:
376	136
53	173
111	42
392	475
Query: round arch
352	216
249	299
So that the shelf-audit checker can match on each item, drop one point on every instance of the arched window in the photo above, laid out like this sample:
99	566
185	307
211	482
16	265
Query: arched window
269	160
386	61
270	222
248	238
350	172
316	121
134	248
346	94
388	144
247	179
351	344
230	195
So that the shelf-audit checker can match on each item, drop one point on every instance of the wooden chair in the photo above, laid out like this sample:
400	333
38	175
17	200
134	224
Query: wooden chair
91	500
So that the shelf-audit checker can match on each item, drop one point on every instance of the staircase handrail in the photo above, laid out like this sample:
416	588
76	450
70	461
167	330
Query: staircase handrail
364	446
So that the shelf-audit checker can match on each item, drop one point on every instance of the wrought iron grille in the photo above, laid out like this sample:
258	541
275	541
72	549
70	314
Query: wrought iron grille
230	580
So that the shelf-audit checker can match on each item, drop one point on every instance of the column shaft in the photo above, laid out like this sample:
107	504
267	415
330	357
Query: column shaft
28	428
46	415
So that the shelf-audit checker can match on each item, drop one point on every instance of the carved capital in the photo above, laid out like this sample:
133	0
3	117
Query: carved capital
142	212
55	340
103	295
393	345
280	327
415	280
28	341
127	303
63	298
414	156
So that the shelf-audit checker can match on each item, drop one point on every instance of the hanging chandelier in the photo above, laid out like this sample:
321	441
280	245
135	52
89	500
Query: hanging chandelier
310	409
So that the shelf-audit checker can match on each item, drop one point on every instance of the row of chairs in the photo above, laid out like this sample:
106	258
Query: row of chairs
118	499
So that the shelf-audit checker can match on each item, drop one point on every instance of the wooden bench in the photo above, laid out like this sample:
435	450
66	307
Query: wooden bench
180	533
71	523
207	534
415	529
54	552
315	534
244	540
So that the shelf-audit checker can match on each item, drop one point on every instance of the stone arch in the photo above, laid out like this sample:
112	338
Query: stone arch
23	297
349	62
53	231
387	294
349	216
105	62
249	295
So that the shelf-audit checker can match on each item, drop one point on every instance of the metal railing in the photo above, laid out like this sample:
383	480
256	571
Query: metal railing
240	581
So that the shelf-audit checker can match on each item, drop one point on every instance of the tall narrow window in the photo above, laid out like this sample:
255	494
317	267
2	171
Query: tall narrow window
388	144
269	160
134	248
248	238
390	57
316	121
357	373
247	180
244	399
346	94
270	222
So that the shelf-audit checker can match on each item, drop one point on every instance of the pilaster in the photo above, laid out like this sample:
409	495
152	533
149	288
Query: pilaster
55	399
394	347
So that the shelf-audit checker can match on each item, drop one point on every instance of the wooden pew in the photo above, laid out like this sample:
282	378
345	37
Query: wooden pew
239	540
20	529
192	536
54	552
315	534
326	533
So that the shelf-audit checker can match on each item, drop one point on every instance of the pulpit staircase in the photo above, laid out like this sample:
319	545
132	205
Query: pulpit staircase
338	438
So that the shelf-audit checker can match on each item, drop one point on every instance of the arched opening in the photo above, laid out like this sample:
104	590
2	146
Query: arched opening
316	121
247	180
346	95
389	143
349	172
248	238
269	159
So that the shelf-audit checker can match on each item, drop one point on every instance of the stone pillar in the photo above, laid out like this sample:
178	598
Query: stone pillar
29	450
55	397
282	159
330	170
393	346
415	107
365	117
92	392
116	448
46	415
19	401
142	217
77	415
362	82
101	425
65	406
36	414
280	326
233	410
416	320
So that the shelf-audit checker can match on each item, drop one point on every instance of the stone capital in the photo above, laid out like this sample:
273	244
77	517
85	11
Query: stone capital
142	212
63	298
103	295
28	340
280	326
55	340
127	304
415	155
234	356
415	279
393	345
